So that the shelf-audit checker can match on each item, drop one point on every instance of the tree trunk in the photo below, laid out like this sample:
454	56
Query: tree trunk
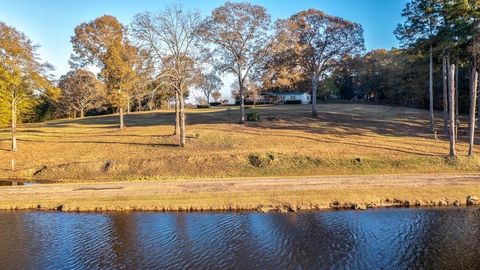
14	127
128	105
82	113
139	105
473	100
445	95
451	96
430	92
314	96
478	111
121	118
177	115
457	119
242	101
182	121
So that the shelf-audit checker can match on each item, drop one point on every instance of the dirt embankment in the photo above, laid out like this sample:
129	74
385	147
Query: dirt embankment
262	194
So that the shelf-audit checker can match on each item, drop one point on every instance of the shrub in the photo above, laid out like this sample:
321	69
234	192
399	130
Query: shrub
203	106
261	160
293	102
253	117
215	103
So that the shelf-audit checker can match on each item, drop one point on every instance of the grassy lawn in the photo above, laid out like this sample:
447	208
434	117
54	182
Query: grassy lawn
345	139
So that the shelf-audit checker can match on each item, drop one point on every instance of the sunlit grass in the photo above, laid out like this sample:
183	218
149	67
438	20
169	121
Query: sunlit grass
346	139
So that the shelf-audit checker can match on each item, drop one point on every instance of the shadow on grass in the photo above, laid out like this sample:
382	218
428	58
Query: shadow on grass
334	142
102	142
341	120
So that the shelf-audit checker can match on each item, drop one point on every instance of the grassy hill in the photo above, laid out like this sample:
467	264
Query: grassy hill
346	139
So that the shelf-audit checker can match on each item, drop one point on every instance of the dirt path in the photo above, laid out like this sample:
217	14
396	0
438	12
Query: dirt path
242	194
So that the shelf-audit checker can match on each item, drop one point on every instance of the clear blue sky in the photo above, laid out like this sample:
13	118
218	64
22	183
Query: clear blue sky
50	23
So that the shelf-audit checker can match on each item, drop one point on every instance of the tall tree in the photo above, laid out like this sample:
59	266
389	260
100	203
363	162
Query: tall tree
81	91
445	91
239	34
473	100
23	78
421	26
464	17
103	42
170	38
318	42
451	109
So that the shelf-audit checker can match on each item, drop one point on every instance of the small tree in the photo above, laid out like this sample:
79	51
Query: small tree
210	83
239	34
81	91
253	92
23	79
216	95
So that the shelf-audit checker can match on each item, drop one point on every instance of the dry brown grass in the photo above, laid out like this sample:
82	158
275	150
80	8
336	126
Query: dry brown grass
346	139
282	194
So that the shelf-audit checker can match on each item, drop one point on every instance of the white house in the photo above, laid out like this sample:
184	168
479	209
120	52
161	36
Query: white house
285	97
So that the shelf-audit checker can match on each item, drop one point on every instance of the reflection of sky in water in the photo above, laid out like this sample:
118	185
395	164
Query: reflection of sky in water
386	238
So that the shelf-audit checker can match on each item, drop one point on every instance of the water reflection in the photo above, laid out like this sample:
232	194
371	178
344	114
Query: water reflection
387	238
23	182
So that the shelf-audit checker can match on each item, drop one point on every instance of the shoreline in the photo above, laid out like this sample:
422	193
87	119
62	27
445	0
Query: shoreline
282	194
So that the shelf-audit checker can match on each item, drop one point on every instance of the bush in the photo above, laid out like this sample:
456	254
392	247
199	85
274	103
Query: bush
215	103
253	117
261	160
293	102
203	106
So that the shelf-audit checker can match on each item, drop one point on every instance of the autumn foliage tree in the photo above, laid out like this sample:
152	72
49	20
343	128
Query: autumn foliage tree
239	34
23	78
317	42
216	95
103	43
81	91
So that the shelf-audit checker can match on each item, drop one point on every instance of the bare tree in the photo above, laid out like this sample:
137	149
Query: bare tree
170	38
239	33
317	42
210	83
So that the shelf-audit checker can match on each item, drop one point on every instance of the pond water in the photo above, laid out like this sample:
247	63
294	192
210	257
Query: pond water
373	239
23	182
